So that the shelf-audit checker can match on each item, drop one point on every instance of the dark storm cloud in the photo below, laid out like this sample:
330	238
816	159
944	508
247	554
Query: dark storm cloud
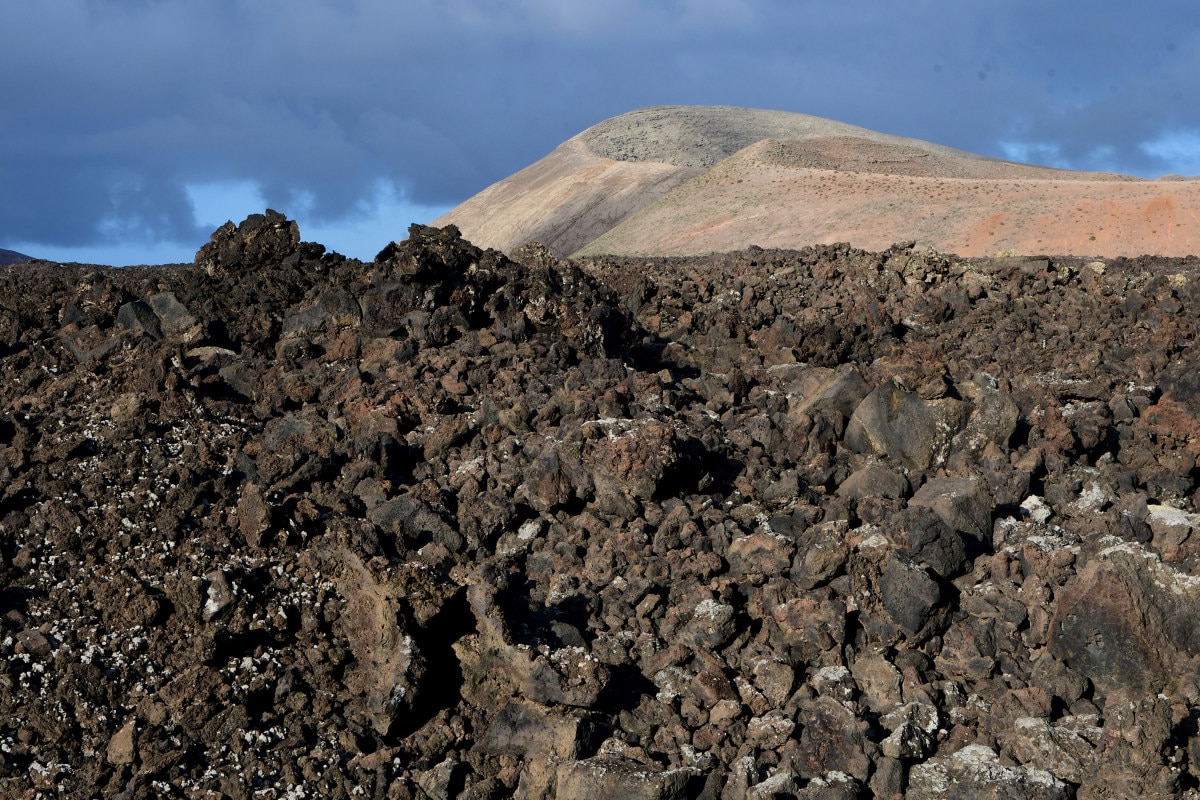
110	110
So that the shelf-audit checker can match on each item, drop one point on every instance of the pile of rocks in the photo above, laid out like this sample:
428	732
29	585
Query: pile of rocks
449	524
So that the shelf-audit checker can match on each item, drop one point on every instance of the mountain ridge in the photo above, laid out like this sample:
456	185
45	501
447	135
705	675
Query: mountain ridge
670	180
13	257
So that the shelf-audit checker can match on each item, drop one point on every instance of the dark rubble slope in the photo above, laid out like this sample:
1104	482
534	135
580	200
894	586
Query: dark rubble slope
812	524
12	257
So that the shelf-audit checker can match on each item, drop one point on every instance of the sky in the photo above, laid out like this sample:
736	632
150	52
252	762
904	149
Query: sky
131	129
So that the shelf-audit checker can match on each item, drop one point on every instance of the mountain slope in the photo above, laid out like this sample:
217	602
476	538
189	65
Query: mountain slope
12	257
565	200
675	180
764	196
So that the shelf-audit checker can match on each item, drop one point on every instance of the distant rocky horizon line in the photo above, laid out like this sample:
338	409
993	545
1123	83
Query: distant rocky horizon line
13	257
698	180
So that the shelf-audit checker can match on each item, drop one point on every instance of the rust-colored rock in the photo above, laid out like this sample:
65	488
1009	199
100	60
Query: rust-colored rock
814	523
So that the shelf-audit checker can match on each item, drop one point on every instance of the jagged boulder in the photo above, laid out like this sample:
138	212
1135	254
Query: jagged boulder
260	238
908	429
976	772
1127	620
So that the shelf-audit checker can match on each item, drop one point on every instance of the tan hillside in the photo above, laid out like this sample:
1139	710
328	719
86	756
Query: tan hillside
565	200
678	180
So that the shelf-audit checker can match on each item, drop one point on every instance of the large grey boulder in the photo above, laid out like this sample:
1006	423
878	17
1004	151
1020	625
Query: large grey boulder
1128	620
606	778
907	429
975	773
965	504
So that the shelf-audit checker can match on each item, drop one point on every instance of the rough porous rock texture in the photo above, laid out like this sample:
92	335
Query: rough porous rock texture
772	524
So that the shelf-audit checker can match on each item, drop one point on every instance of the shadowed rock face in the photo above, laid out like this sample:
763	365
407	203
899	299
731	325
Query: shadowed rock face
12	257
776	523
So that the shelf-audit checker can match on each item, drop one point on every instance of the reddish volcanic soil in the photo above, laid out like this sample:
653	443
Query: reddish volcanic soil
686	180
776	206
